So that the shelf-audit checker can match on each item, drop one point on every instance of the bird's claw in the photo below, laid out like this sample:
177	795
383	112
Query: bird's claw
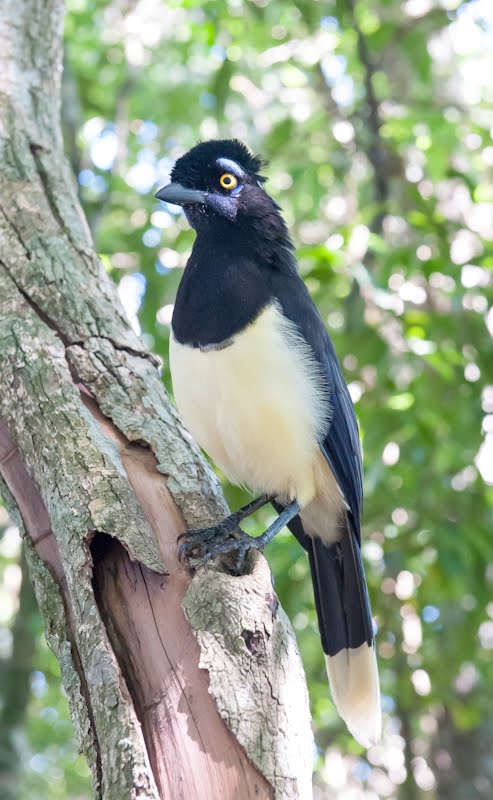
194	539
205	544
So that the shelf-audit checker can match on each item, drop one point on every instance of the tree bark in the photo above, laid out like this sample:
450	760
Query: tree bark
101	477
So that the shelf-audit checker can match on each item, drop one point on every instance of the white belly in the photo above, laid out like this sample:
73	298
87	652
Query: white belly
258	407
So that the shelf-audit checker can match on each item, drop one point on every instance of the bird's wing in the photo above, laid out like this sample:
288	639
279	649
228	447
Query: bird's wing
341	445
339	584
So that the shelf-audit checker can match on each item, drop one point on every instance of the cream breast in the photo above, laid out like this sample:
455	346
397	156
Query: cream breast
257	404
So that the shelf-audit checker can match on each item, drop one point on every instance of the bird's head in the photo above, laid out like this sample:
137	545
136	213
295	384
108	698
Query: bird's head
218	183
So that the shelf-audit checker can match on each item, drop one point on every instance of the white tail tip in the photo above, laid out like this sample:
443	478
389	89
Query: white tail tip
353	678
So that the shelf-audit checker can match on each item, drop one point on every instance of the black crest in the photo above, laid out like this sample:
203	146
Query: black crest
191	168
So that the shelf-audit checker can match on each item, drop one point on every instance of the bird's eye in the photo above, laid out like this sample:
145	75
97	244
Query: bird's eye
228	181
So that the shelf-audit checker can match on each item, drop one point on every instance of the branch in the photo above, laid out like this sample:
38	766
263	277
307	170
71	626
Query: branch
103	477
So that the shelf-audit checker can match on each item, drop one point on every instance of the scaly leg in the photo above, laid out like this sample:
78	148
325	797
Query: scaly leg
204	544
201	537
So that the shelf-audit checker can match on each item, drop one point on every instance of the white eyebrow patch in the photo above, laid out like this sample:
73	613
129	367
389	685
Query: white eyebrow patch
231	166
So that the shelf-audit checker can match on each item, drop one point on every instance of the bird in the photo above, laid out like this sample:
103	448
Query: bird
258	384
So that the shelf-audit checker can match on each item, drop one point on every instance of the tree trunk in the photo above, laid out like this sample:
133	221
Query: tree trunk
15	675
101	477
462	760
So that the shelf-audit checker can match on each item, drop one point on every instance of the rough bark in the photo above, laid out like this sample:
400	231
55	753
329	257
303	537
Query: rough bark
101	477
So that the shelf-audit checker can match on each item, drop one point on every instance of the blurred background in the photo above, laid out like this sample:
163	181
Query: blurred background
377	119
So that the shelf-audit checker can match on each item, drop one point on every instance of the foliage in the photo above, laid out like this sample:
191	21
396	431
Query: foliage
376	118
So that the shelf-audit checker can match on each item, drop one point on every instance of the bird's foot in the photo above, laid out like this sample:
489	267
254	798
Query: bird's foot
202	545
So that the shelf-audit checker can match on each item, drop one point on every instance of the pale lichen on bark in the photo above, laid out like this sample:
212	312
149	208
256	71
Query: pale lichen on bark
85	483
129	392
57	632
248	648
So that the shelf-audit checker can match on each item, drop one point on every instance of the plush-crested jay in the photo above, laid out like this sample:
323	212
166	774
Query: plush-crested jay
258	383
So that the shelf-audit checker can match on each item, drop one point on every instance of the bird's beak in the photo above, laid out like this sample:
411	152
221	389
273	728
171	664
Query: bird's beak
180	195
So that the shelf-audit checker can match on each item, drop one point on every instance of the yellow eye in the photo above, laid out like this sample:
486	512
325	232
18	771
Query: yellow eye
228	181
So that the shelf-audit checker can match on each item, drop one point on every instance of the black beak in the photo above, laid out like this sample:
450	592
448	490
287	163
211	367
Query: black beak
180	195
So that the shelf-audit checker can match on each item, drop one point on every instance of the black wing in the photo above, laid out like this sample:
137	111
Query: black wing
341	446
339	584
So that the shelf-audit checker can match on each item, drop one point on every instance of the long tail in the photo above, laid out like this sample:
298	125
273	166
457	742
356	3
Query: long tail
344	618
346	630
